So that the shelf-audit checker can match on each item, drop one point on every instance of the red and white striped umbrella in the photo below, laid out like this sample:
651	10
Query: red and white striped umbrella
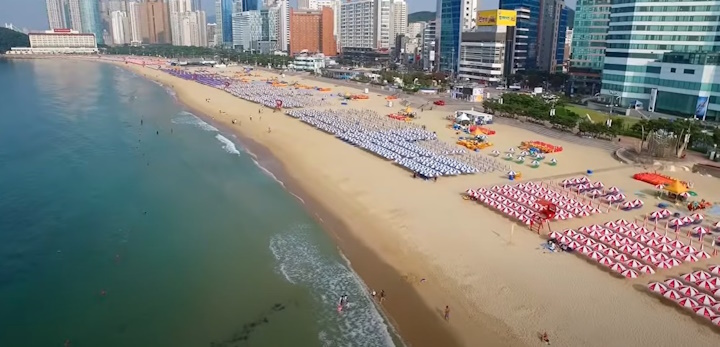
689	258
716	306
597	227
648	251
625	249
704	311
672	262
595	233
595	210
595	255
716	225
606	261
598	184
622	222
677	253
664	265
664	239
700	230
697	217
584	249
687	302
632	225
613	189
647	269
618	267
580	237
622	258
673	283
583	213
638	253
574	245
570	232
676	222
714	281
656	215
642	230
607	232
702	255
584	229
664	247
676	244
650	259
633	263
716	320
638	203
688	249
611	198
605	238
611	224
630	273
620	197
599	247
688	291
615	243
566	182
653	235
564	239
662	256
705	284
657	287
714	269
621	229
589	242
665	212
689	277
595	192
632	233
642	238
672	295
716	293
687	220
704	299
610	252
702	275
653	243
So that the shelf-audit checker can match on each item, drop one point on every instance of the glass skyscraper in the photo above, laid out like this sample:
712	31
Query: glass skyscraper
527	32
592	18
90	18
561	34
449	17
227	7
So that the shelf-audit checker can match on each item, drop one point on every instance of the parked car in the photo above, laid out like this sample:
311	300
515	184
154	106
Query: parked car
439	102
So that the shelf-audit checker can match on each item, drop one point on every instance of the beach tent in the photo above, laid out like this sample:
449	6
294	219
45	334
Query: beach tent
463	119
676	188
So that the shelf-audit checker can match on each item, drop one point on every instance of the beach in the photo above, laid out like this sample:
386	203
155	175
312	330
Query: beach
503	290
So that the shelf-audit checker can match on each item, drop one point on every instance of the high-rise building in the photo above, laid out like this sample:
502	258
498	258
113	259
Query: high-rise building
317	5
541	26
592	18
90	18
452	17
117	22
365	24
211	34
247	30
311	31
486	52
284	35
134	19
56	14
177	10
154	22
250	5
429	48
398	19
73	19
224	10
663	57
191	29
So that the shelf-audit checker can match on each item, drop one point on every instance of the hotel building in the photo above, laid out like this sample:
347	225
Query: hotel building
59	41
312	32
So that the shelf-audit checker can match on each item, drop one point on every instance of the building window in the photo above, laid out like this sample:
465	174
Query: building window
689	71
672	70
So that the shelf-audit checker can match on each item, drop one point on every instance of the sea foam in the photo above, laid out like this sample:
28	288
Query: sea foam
299	261
187	118
228	145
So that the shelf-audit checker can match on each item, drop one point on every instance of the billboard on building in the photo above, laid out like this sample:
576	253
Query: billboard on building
496	17
701	107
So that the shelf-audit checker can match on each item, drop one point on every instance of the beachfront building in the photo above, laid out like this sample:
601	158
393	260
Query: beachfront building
486	52
59	41
133	10
312	31
224	11
120	27
662	57
90	18
592	18
56	14
365	24
211	32
452	18
305	62
316	5
176	9
154	22
429	37
398	19
73	19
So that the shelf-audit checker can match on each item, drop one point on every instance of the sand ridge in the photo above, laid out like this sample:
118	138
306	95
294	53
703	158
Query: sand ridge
503	289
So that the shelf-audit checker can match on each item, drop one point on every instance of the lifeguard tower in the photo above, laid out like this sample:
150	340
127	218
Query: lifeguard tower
546	212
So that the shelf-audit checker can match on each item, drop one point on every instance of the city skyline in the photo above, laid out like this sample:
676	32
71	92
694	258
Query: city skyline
32	14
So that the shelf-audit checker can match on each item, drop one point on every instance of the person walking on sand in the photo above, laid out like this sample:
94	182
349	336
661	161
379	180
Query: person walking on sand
269	130
382	295
447	313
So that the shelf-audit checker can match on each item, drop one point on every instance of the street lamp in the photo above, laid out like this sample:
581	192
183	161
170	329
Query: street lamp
613	99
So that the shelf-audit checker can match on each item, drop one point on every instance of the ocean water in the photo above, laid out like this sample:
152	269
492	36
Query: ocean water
165	233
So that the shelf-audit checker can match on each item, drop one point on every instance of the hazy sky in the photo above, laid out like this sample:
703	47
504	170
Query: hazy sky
31	13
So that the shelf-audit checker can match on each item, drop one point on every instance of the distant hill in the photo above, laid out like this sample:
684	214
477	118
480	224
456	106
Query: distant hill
422	16
11	38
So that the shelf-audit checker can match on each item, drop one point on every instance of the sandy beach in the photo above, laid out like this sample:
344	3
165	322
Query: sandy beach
503	289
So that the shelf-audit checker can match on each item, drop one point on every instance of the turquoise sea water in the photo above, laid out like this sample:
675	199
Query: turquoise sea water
114	233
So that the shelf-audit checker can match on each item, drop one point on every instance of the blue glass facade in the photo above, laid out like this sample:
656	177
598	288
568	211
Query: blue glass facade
449	17
227	9
90	19
562	32
527	32
251	5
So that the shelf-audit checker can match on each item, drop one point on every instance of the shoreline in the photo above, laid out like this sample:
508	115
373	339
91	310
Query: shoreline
405	312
